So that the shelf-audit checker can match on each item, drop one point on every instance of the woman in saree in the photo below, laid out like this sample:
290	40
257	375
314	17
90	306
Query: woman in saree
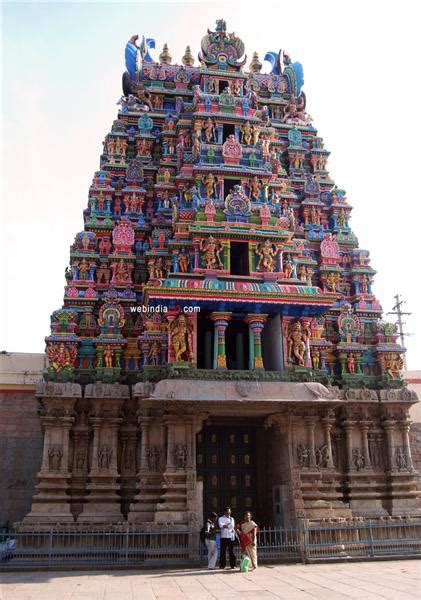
248	531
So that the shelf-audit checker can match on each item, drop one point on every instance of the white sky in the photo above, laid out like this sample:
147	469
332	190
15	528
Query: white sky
62	77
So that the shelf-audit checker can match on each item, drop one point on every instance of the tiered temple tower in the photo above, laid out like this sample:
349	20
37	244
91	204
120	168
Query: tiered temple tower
219	341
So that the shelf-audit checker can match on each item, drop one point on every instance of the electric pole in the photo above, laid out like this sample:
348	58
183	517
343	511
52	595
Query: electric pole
399	313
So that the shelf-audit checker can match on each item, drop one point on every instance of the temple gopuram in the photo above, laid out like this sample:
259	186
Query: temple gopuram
219	341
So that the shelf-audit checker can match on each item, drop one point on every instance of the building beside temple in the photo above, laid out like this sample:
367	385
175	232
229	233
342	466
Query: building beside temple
219	341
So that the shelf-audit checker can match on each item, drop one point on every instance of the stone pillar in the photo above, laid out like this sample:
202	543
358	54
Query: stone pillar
364	427
256	323
327	426
170	424
144	443
220	320
51	503
404	427
311	424
103	503
389	427
348	428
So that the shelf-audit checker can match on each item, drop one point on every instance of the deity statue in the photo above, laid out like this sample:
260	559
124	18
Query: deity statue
358	459
121	272
363	284
83	269
303	454
315	359
294	113
108	356
209	131
297	343
198	128
246	133
288	267
154	353
181	330
55	454
332	280
255	187
61	357
143	95
255	132
232	151
183	261
350	363
212	249
210	185
267	252
392	364
110	145
180	456
104	457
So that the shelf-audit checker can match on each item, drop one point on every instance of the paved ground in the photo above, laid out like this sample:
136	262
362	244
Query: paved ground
397	580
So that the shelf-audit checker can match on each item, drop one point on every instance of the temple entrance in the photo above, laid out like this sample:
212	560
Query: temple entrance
227	464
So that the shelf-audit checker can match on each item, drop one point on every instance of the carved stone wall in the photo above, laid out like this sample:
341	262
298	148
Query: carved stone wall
111	453
21	440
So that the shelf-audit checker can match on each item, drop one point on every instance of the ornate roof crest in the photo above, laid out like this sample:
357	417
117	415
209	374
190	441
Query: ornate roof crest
222	50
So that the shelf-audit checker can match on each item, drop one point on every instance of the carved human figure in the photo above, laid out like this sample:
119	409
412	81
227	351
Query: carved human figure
183	261
364	284
332	280
401	459
110	146
358	459
209	130
80	459
180	456
267	252
255	132
154	353
297	343
108	356
350	362
210	185
246	133
303	454
83	269
288	267
181	338
255	187
212	249
55	454
104	457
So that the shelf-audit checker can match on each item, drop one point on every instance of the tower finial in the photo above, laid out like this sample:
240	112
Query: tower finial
165	56
188	59
255	65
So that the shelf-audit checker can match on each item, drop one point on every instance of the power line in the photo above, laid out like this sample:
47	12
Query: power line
399	313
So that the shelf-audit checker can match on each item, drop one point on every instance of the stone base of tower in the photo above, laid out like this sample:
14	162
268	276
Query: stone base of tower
183	448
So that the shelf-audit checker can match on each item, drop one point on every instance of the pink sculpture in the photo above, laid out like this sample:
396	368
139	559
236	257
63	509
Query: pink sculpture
123	237
329	250
232	151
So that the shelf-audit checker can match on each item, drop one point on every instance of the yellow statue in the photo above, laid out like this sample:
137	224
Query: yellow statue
210	184
297	343
246	133
108	356
267	252
181	330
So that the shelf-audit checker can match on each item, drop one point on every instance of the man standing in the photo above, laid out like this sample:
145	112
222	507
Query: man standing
210	540
227	526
